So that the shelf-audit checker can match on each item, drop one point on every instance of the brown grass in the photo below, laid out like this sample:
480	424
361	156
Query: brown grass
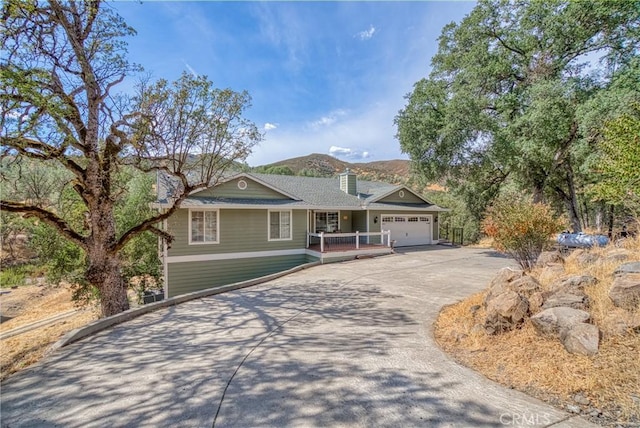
29	304
540	366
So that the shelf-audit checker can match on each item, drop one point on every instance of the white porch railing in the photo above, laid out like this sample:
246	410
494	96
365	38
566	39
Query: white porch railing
349	241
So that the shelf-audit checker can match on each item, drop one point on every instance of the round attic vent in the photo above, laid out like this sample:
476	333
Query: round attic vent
401	193
242	184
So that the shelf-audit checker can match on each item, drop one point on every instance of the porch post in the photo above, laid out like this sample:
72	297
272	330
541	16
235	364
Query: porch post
357	239
322	242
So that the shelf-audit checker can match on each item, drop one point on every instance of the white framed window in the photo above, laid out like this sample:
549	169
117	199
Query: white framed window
327	221
387	219
280	225
204	227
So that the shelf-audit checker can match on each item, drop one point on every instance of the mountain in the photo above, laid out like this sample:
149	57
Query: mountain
397	171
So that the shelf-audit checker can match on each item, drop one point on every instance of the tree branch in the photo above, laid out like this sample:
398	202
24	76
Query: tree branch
48	217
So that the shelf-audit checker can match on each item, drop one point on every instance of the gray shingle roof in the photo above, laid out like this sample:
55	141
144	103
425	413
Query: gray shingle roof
312	191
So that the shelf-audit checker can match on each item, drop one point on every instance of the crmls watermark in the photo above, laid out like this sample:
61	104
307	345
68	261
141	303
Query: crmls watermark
525	419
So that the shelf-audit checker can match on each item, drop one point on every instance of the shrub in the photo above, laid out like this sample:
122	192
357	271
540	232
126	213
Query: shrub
521	228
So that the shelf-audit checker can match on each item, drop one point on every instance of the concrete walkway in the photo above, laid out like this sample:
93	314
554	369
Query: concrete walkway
346	344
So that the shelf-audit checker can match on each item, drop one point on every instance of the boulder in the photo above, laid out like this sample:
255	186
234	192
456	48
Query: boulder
630	267
616	255
500	283
526	285
586	258
505	312
581	338
535	301
576	300
620	322
554	320
549	258
625	290
575	283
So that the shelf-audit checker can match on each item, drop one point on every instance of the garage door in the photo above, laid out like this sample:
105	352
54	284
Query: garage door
408	229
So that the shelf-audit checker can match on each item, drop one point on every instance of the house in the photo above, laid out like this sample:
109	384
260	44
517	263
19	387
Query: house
249	225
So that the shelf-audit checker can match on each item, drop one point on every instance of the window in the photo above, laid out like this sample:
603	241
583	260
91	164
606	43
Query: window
413	219
203	227
387	219
279	225
327	222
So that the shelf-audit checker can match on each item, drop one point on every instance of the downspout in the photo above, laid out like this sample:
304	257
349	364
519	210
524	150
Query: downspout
165	265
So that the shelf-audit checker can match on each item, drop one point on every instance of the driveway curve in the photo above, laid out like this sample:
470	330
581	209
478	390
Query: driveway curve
347	344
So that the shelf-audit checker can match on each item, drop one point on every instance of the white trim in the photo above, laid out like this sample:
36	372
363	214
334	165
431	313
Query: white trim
269	225
232	256
350	253
165	265
217	241
397	189
242	184
257	180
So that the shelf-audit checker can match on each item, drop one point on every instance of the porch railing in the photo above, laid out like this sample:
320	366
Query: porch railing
349	241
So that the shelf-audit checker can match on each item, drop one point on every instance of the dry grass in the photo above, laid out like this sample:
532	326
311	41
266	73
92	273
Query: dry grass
29	304
19	352
540	366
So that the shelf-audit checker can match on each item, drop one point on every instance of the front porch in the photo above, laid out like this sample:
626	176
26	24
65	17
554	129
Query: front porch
332	246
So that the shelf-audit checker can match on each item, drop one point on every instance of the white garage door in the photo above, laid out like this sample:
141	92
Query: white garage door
409	229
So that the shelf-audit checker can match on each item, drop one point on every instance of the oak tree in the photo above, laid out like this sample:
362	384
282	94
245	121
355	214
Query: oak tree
502	104
61	66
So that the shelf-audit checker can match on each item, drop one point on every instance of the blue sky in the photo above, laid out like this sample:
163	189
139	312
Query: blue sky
324	77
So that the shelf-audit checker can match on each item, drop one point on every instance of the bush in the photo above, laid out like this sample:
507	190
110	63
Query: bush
521	228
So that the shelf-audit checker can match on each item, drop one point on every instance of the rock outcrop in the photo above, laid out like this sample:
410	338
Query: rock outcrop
581	338
625	290
554	320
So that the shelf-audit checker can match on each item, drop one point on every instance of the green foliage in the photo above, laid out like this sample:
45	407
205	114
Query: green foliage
618	162
510	102
274	169
15	276
61	259
459	216
521	228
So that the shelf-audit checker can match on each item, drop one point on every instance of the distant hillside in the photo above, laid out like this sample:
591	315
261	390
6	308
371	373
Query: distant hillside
396	171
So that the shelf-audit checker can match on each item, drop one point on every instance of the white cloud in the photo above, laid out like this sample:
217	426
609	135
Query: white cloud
367	134
269	126
345	152
328	120
366	34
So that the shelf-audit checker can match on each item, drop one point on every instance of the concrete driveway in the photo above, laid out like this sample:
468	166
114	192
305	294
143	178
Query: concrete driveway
346	344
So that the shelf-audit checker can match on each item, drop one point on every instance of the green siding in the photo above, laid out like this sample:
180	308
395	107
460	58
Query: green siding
359	221
230	189
409	198
345	224
194	276
240	231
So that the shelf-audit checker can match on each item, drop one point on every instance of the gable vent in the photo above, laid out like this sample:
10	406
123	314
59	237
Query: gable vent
348	182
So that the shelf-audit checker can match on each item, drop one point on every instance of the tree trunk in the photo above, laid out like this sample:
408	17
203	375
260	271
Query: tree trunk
105	274
571	201
611	219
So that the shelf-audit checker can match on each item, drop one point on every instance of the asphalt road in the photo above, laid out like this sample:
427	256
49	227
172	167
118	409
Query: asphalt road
347	344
